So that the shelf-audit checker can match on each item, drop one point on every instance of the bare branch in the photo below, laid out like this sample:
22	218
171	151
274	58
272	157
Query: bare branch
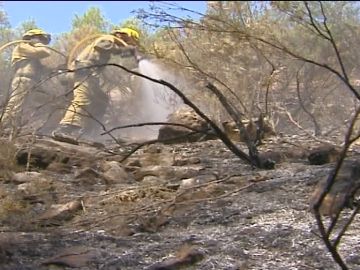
313	23
301	102
156	124
186	101
194	65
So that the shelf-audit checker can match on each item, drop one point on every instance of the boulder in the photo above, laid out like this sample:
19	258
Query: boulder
323	154
177	134
169	173
114	173
24	177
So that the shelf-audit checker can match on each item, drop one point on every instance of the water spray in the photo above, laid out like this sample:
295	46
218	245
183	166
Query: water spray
153	102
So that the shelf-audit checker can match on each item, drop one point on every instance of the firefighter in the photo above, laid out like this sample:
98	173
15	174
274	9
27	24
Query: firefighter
90	101
27	70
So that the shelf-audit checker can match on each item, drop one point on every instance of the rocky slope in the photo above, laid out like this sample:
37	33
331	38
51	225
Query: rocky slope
179	206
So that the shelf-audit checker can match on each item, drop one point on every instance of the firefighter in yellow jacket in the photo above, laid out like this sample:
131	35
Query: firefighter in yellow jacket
27	69
89	101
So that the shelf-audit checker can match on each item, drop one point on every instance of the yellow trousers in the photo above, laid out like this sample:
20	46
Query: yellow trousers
88	105
20	87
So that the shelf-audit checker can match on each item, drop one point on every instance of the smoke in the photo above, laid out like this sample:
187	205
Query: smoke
133	101
43	105
149	102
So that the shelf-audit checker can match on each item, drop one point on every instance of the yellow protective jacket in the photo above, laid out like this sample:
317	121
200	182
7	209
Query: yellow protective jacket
26	59
90	94
99	52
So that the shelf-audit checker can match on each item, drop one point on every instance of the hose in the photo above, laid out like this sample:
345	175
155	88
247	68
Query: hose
81	42
54	50
13	42
28	41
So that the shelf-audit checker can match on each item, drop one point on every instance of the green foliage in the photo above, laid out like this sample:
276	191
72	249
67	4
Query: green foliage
5	28
92	22
5	37
133	23
94	18
9	34
28	25
4	22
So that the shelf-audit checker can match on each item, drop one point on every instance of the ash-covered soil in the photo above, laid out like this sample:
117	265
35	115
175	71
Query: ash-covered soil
161	204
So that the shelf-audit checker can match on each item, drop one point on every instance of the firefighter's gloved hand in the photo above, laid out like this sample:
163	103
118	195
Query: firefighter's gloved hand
129	51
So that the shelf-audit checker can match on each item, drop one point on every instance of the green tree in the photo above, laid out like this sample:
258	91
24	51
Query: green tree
5	37
90	24
135	24
5	27
24	27
28	25
94	18
4	22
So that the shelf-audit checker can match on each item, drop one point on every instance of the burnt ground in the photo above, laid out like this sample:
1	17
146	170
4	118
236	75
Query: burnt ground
192	197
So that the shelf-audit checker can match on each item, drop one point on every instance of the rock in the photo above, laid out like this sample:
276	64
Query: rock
275	156
152	180
186	257
197	180
24	177
168	172
186	161
323	154
43	152
133	163
35	186
188	117
86	173
114	173
39	158
155	171
156	154
153	149
153	223
186	183
74	257
187	171
61	212
59	167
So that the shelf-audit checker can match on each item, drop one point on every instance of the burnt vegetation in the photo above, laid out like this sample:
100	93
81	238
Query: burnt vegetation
260	84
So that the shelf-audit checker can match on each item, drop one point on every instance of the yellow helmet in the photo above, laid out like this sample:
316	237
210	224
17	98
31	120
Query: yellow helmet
36	32
130	32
